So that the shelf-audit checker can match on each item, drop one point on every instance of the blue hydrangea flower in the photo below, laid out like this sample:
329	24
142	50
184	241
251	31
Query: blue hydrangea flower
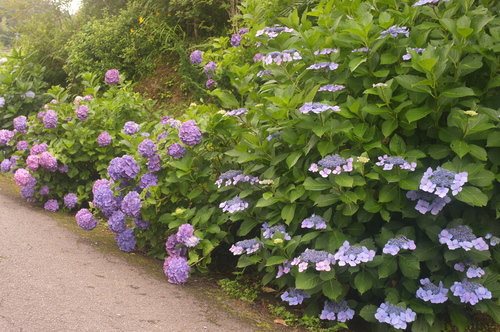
176	151
189	133
270	230
104	199
85	219
232	177
51	205
273	32
131	205
280	57
104	139
147	148
233	205
154	163
294	296
494	240
185	235
131	128
321	260
470	292
126	240
50	119
70	200
332	164
331	87
29	190
390	162
245	246
196	57
326	66
20	123
339	311
393	315
209	69
237	112
235	40
407	56
432	293
393	246
38	148
395	31
243	31
117	222
112	77
325	51
263	73
141	223
353	255
5	165
176	269
315	222
441	181
284	268
428	202
172	246
473	271
462	237
124	167
48	162
317	108
29	94
148	180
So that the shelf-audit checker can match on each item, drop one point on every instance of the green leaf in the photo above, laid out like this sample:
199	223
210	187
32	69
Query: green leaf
388	193
275	260
363	281
458	317
409	265
427	64
349	197
460	148
472	196
288	213
388	126
332	289
319	184
326	200
292	159
458	92
426	251
438	152
368	313
307	281
263	202
246	227
344	180
478	152
245	261
388	266
493	139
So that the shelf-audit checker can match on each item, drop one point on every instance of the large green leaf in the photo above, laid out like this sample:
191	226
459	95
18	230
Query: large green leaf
363	281
472	196
306	280
409	265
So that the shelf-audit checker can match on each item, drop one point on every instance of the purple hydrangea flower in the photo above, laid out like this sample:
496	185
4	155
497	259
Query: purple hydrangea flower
317	108
232	177
394	315
326	66
131	205
50	119
284	268
263	73
339	311
44	191
153	163
395	31
70	200
63	168
209	69
131	128
258	57
126	240
196	57
315	222
41	114
189	133
269	231
104	139
148	180
470	292
246	246
82	112
432	293
117	222
104	199
2	101
172	246
176	269
210	84
5	136
294	296
86	220
147	148
320	259
48	162
331	88
427	202
237	112
233	205
273	32
462	237
494	240
38	148
473	271
112	77
243	31
20	123
124	167
22	177
390	162
361	50
141	223
333	164
280	57
235	40
100	182
5	165
29	94
22	145
51	205
425	2
441	181
174	123
407	56
353	255
393	246
29	190
176	151
326	51
185	235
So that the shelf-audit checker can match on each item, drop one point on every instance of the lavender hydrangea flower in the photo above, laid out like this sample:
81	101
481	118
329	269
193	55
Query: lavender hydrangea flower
189	133
5	165
112	77
70	200
104	139
432	293
63	168
126	240
209	69
294	296
5	136
245	246
45	190
427	202
390	162
86	220
317	108
326	66
425	2
494	240
185	235
339	311
38	148
470	292
29	190
82	112
331	87
131	128
233	205
147	148
154	163
104	199
51	205
441	181
20	123
394	245
32	162
48	162
100	182
361	50
235	40
117	222
2	102
263	73
353	255
176	269
473	271
280	57
131	205
210	84
172	246
148	180
236	112
29	94
243	31
394	315
395	31
22	177
50	119
196	57
22	145
333	164
326	51
320	259
407	56
176	151
269	231
232	177
273	32
315	222
462	237
258	57
284	268
141	223
124	167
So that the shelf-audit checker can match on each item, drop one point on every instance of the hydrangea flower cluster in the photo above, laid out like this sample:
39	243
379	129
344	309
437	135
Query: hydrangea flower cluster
233	205
5	165
235	40
326	66
210	84
332	164
427	202
390	162
117	222
131	128
473	271
331	87
44	191
246	247
209	69
185	235
147	148
104	139
315	222
5	136
82	112
441	181
237	112
126	240
86	220
131	205
51	205
396	316
470	292
148	180
48	162
280	57
22	177
353	255
339	311
50	119
176	151
284	268
124	167
294	296
154	163
462	237
320	259
22	145
432	293
232	177
317	108
270	230
494	240
176	269
104	199
326	51
407	56
20	123
393	246
189	133
112	77
395	31
196	57
273	32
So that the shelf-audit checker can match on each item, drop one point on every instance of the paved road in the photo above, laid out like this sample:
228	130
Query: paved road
53	279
